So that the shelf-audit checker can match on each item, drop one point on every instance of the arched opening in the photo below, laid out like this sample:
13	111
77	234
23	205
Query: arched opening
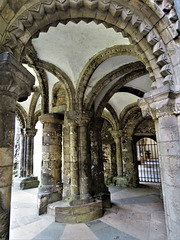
139	22
148	160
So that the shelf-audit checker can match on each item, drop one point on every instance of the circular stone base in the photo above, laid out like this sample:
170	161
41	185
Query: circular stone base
76	214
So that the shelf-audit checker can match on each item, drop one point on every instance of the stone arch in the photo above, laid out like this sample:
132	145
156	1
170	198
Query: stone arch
125	110
32	59
142	22
131	90
30	118
21	114
44	88
96	60
36	118
125	69
121	82
107	115
114	115
131	117
64	80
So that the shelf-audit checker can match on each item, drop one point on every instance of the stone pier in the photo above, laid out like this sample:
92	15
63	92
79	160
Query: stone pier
99	188
164	108
81	205
50	189
16	83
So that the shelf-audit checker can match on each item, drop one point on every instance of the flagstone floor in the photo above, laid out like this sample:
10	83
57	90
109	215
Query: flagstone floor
136	214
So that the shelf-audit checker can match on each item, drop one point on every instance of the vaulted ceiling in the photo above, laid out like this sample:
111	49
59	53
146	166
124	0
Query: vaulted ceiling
71	49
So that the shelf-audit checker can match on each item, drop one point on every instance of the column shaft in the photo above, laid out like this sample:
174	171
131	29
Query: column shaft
66	161
130	168
7	125
168	132
51	188
117	139
30	133
84	162
22	167
164	108
99	187
74	161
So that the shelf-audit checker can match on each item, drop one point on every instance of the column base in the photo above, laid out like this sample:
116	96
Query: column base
79	202
48	194
64	213
26	183
120	181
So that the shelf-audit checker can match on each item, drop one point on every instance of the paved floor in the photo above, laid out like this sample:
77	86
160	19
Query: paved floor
136	214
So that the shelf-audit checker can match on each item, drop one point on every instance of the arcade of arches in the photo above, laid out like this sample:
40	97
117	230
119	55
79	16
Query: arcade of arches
99	75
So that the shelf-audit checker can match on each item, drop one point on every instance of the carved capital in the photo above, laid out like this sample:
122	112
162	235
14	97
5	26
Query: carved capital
30	132
15	79
51	118
158	103
116	135
79	118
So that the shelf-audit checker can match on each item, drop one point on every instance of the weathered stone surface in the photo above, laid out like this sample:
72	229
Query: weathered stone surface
27	183
78	214
50	189
15	83
7	13
168	144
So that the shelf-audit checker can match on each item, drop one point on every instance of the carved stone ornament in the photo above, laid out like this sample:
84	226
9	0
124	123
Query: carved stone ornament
79	118
15	78
157	104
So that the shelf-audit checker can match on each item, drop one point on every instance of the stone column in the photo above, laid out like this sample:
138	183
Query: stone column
50	189
15	83
30	134
80	158
73	157
28	181
165	110
99	187
117	139
22	172
67	162
74	161
84	158
130	168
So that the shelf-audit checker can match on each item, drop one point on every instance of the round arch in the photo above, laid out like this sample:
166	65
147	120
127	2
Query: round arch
135	21
123	70
121	82
21	114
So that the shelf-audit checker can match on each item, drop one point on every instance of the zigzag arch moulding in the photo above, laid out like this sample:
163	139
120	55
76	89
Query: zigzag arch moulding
140	21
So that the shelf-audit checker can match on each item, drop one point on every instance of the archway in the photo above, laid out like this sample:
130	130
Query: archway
151	32
148	160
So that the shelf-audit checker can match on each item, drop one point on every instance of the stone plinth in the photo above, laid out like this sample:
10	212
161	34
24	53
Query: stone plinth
29	182
75	214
